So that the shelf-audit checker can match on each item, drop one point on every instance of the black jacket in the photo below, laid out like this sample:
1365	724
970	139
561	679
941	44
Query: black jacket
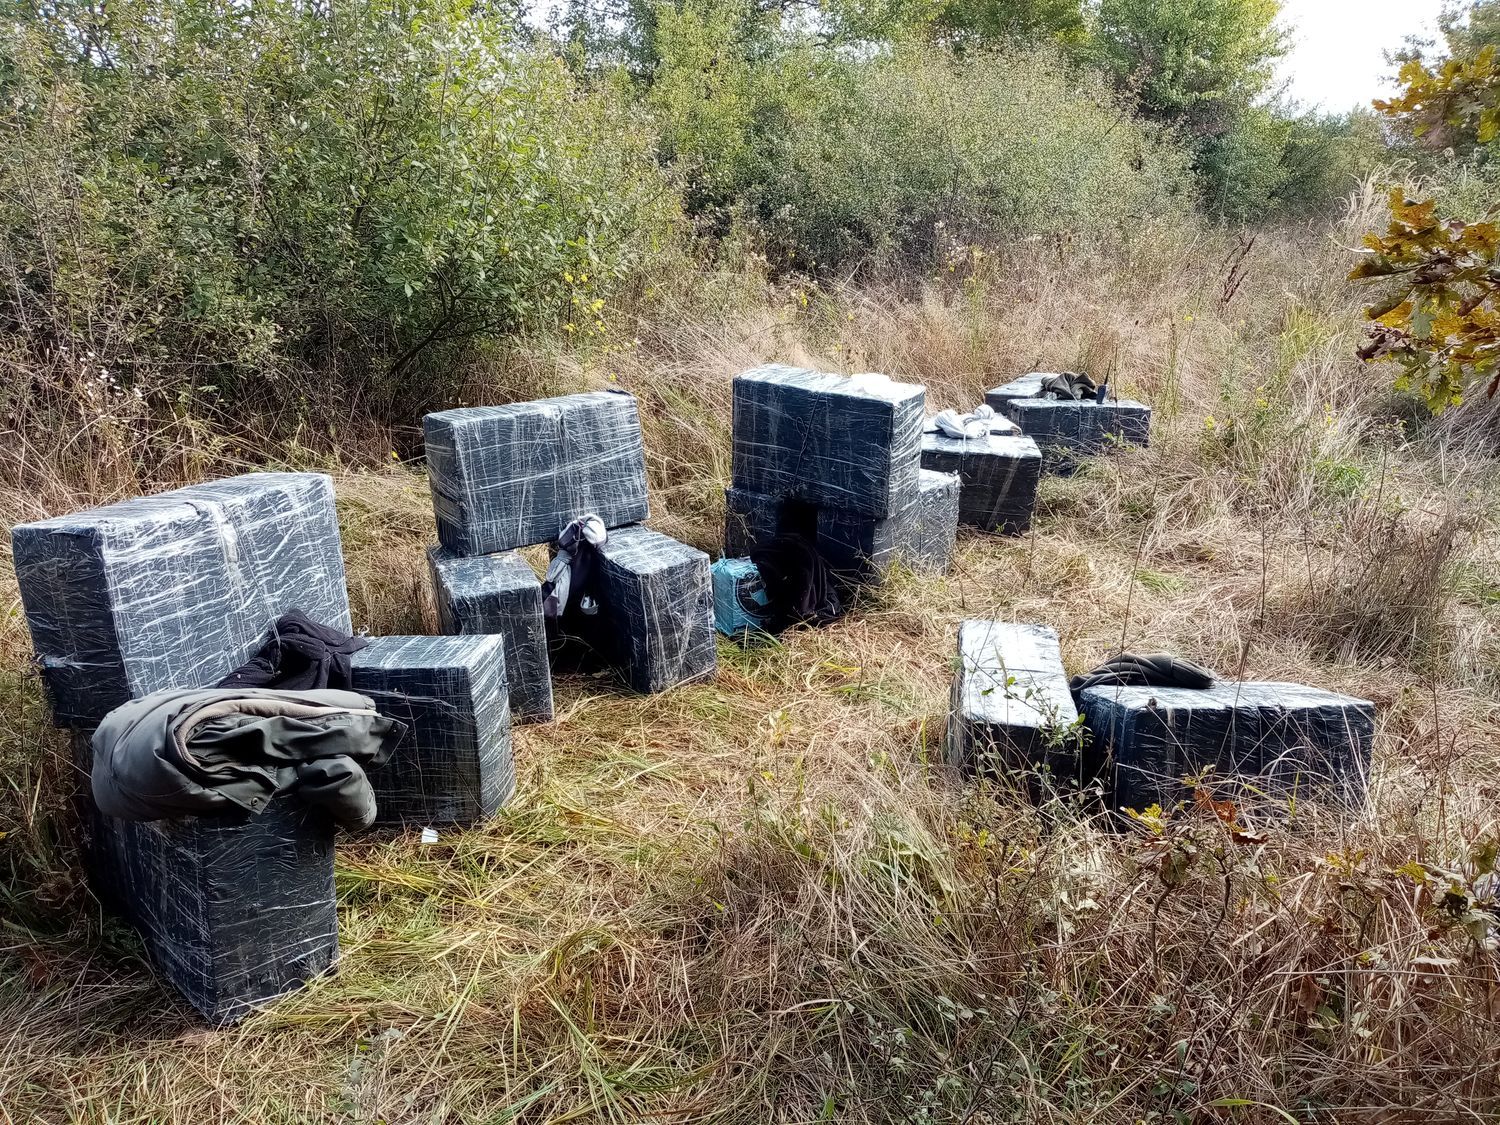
298	654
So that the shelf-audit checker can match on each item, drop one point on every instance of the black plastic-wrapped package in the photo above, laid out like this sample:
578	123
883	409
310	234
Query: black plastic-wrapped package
849	442
860	547
999	474
234	911
454	765
922	536
1011	709
1064	429
935	530
177	589
657	609
511	476
999	398
1259	744
751	519
499	594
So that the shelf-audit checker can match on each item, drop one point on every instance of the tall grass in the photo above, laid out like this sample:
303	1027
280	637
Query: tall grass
763	899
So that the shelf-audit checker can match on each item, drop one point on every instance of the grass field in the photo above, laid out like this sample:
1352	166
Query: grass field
763	899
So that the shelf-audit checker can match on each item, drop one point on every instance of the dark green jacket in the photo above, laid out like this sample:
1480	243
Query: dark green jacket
207	751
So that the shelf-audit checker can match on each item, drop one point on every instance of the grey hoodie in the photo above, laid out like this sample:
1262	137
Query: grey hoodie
207	751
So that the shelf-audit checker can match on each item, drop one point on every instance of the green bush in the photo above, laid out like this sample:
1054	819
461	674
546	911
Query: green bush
1465	189
1241	169
1325	158
1193	64
257	204
841	159
1274	162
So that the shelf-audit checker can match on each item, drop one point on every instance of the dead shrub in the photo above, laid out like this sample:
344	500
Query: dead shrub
1375	584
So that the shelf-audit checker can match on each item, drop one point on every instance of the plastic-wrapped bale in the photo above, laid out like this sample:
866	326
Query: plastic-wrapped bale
234	913
1027	386
499	594
178	589
657	609
922	536
751	520
454	765
861	547
175	589
511	476
849	442
935	530
999	476
1065	429
1259	744
1011	707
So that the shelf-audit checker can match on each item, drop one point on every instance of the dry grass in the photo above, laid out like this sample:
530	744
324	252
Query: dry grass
761	900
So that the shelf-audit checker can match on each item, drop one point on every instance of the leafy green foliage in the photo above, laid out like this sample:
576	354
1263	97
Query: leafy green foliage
1198	66
1457	99
728	77
1241	168
1464	31
966	22
1469	28
837	160
1324	157
1441	320
1190	63
214	197
1270	162
961	23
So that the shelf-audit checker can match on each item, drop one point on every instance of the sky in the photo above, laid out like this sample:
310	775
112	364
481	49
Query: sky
1337	59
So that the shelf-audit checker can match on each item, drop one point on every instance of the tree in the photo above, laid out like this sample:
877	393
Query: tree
1418	116
1199	66
1240	169
973	22
1464	29
1440	316
1325	157
234	196
1192	64
1469	28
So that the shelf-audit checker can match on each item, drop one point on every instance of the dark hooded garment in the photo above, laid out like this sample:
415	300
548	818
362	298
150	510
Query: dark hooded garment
799	584
1074	386
573	576
298	654
211	751
1131	669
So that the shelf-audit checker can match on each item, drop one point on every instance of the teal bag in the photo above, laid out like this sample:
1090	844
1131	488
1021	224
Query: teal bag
740	603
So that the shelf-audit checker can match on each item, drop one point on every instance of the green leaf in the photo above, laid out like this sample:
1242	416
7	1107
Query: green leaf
1247	1103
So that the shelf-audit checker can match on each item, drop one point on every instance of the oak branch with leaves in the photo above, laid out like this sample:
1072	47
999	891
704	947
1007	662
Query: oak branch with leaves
1440	319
